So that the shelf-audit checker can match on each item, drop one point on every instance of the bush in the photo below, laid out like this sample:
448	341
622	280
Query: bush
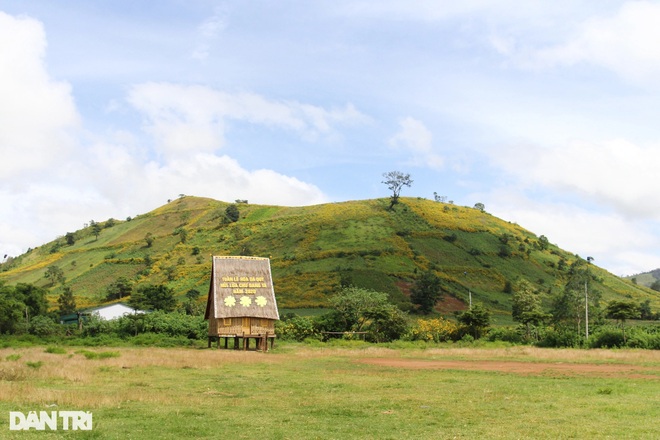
98	354
654	342
636	337
297	328
433	330
96	326
560	338
175	324
44	326
607	338
506	334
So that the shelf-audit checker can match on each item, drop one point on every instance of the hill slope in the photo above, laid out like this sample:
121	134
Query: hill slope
645	278
314	250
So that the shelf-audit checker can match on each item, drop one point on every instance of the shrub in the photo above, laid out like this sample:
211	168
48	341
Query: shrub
607	338
560	338
433	330
96	326
43	326
176	324
506	334
98	354
638	339
297	328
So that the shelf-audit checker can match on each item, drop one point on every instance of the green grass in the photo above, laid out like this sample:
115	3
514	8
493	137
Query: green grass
98	354
55	350
301	392
35	365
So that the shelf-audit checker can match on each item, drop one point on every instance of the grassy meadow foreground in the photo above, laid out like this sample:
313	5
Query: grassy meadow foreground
361	391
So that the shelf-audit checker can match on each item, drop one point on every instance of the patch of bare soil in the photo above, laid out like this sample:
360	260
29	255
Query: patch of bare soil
448	304
524	368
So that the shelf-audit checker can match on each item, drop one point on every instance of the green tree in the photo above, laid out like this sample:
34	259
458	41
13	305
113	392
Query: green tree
655	285
55	274
622	310
19	304
118	289
232	213
96	229
183	235
191	305
33	297
645	310
12	310
504	251
426	292
387	323
70	238
43	326
353	303
66	301
358	309
526	307
476	319
543	242
193	294
149	239
568	308
150	297
395	181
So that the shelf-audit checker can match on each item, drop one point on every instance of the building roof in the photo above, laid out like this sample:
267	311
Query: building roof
112	311
241	287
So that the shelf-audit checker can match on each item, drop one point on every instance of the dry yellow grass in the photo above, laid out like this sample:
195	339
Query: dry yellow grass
72	379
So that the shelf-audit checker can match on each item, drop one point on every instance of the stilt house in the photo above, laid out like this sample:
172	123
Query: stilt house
241	302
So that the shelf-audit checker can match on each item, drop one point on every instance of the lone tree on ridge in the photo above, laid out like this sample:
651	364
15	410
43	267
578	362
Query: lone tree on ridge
395	181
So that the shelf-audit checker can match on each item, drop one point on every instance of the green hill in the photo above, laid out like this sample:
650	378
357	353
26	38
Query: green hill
645	278
314	250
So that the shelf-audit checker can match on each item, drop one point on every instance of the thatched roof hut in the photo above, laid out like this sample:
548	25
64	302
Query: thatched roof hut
241	301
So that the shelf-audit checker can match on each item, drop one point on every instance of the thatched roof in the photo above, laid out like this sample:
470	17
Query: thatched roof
241	287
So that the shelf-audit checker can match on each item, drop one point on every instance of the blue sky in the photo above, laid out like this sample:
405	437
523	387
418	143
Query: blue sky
545	112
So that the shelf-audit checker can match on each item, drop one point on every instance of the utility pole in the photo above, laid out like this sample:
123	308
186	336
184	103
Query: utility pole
586	301
469	293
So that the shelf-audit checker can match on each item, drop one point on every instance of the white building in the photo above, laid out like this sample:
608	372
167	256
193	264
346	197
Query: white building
114	311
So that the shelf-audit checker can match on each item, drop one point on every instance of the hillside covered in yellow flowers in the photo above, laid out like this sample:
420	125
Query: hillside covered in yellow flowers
314	250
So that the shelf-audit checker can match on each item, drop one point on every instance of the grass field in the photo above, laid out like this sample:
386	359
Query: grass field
337	392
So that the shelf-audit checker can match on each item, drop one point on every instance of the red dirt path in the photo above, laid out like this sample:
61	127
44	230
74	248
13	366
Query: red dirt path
525	368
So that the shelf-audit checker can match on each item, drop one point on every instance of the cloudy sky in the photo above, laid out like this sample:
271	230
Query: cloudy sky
544	111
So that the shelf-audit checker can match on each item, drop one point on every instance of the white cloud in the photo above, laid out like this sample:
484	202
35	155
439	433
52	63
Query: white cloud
208	31
56	177
184	119
222	178
618	173
438	10
38	114
608	237
414	137
625	43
